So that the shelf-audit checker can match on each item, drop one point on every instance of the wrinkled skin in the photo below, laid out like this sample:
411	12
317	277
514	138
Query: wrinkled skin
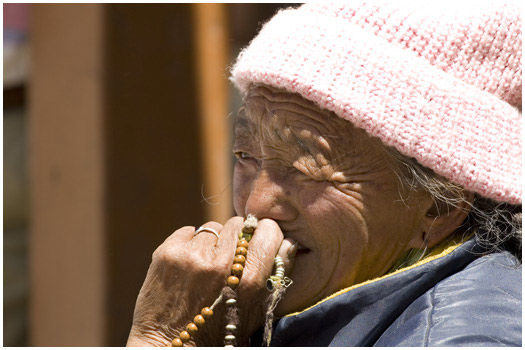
312	178
329	186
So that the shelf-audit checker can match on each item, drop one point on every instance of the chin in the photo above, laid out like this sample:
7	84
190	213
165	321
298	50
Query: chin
300	295
294	300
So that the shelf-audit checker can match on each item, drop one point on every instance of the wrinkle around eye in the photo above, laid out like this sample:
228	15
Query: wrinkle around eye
338	177
307	167
247	162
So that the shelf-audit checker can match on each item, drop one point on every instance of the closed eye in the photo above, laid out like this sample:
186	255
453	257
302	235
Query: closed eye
243	156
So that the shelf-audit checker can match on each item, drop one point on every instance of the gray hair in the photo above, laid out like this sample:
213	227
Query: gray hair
497	226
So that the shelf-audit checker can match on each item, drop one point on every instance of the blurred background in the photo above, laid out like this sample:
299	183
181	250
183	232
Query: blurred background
116	132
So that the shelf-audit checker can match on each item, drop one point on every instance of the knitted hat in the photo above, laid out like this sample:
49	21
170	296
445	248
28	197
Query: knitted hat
439	82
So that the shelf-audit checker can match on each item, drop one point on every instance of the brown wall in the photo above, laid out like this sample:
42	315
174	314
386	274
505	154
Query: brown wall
153	167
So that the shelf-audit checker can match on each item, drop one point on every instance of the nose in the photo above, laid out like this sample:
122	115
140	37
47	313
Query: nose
271	197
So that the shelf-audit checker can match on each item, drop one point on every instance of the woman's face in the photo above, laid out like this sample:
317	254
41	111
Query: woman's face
328	185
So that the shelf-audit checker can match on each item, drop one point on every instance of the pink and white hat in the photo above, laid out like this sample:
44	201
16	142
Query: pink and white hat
440	82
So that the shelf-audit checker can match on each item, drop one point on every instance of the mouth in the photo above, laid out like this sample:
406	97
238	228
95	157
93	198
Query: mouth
298	235
302	249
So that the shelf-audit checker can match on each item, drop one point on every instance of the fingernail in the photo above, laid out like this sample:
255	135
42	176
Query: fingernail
293	250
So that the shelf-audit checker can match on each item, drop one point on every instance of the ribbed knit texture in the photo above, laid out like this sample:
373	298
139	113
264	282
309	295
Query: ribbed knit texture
439	81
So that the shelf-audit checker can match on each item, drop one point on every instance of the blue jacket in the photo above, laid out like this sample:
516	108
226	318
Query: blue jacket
459	298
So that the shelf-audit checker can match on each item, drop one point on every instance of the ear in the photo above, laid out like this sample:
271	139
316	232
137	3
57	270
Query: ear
441	220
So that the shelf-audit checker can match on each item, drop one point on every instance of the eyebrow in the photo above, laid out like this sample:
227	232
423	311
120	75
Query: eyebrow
304	145
242	122
242	125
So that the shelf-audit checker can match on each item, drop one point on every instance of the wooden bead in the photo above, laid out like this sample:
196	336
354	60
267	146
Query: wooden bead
185	336
243	243
199	320
176	342
237	269
192	328
241	251
239	259
207	312
232	282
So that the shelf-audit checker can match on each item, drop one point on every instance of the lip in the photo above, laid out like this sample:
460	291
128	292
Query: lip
302	249
298	235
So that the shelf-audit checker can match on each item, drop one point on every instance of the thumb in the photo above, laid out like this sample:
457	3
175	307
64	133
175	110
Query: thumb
287	252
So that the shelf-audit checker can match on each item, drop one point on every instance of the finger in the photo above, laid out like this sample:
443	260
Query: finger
262	250
229	234
182	234
287	252
207	237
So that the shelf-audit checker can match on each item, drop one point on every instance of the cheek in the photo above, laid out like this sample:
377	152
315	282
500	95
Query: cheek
335	218
241	189
340	232
329	207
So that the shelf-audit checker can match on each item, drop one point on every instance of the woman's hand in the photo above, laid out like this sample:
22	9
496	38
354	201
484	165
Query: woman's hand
188	273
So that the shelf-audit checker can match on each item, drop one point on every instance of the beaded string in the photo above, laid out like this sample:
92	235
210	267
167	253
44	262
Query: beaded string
228	292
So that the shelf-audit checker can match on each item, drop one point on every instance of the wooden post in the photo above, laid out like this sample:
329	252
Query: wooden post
212	60
67	248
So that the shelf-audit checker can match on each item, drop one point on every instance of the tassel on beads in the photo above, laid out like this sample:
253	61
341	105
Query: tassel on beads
277	285
272	301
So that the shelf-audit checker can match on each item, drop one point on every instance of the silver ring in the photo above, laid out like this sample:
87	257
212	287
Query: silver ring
202	228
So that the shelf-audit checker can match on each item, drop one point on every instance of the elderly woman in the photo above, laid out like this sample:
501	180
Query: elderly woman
379	148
